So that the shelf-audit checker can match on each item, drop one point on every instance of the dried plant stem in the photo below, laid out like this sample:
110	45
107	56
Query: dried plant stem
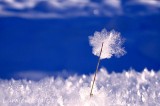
96	71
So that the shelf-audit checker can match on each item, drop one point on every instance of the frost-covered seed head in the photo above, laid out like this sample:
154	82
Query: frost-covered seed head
112	44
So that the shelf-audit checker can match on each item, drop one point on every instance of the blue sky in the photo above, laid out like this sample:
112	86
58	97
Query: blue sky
51	37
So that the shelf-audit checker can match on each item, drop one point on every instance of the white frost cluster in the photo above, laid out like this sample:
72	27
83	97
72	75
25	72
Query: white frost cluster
116	89
112	44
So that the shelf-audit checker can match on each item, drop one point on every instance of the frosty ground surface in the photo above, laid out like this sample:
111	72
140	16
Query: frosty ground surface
129	88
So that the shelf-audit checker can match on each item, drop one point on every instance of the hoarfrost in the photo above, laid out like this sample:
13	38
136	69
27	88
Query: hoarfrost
116	89
112	44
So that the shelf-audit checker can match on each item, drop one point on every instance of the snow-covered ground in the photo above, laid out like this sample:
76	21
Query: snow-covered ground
129	88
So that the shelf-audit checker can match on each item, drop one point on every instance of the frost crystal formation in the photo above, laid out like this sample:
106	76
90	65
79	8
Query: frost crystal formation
112	44
116	89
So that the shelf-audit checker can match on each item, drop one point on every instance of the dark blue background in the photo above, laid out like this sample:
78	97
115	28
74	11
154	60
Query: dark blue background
51	45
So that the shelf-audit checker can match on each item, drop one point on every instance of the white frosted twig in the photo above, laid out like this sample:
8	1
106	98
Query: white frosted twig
105	45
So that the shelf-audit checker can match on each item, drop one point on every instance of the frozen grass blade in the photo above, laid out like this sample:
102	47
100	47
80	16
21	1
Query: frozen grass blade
111	42
91	94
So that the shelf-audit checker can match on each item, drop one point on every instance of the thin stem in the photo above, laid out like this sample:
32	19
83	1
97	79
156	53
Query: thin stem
96	71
